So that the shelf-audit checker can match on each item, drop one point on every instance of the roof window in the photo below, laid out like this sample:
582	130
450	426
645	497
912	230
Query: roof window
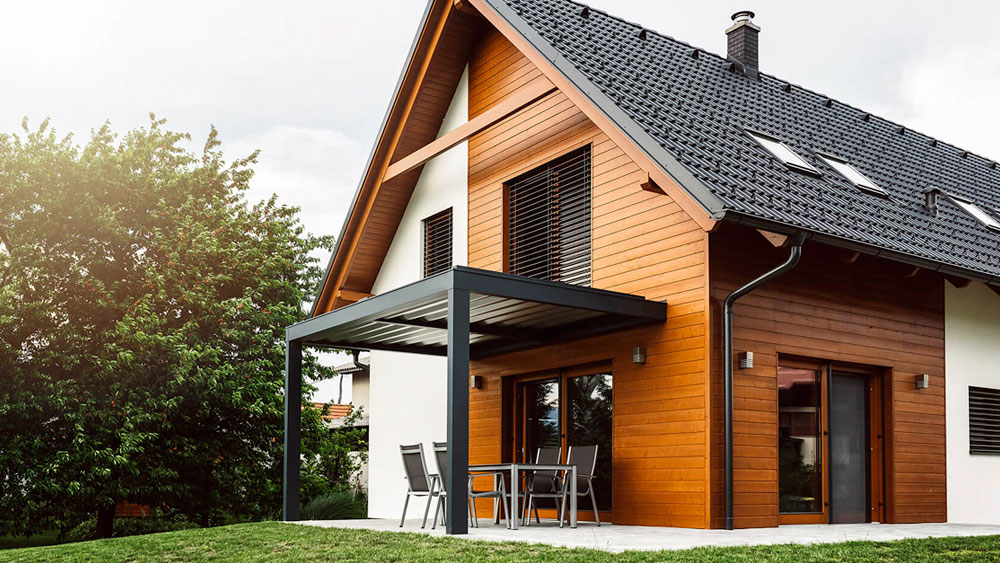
852	174
977	213
784	154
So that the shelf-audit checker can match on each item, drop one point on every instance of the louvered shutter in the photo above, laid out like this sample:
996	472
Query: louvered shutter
437	243
549	220
984	420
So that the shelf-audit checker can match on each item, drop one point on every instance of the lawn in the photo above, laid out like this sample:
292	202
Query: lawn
274	541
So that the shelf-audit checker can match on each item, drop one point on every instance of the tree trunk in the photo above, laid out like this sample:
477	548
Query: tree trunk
105	521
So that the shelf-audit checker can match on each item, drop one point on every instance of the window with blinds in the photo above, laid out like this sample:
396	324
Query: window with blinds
437	243
549	220
984	421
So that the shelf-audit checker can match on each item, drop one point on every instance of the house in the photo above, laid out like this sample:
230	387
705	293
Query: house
765	306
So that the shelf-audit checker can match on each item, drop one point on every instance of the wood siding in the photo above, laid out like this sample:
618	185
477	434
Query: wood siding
869	311
643	243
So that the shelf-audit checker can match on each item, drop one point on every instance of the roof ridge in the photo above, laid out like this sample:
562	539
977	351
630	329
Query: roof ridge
787	82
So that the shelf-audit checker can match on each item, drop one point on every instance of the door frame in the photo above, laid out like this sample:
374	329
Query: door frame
877	405
515	427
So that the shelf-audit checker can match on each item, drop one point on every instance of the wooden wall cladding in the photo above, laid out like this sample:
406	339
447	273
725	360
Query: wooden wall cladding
644	244
869	311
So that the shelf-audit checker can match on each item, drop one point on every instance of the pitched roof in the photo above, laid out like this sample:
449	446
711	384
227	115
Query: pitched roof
334	410
689	110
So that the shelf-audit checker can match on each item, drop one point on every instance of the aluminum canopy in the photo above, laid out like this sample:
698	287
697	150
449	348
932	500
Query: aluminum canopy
507	313
463	314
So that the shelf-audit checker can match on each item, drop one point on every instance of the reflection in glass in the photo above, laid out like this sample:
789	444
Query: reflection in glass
541	416
589	422
800	484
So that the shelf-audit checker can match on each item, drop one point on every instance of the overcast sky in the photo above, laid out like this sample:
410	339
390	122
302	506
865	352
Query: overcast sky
308	82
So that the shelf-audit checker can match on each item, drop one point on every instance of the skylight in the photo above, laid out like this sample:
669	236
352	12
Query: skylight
781	152
980	215
853	175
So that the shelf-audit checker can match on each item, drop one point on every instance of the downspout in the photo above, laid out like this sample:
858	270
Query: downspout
727	347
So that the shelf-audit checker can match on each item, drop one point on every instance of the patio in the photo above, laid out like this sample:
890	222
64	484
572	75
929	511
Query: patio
616	538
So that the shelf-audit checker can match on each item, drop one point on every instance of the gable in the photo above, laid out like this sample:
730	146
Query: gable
438	59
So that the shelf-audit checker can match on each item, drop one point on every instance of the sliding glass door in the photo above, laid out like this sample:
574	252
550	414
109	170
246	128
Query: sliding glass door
564	408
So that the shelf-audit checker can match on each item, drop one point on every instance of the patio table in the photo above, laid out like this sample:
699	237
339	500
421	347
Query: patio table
515	470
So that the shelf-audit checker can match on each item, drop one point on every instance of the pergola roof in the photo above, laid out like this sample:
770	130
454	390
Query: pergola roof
507	313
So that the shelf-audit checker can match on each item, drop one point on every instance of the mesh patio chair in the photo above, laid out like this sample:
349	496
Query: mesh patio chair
542	481
419	482
585	460
499	491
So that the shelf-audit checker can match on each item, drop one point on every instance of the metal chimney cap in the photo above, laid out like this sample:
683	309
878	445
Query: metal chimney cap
743	16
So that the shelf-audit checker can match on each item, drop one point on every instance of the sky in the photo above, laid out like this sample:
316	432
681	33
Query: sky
308	82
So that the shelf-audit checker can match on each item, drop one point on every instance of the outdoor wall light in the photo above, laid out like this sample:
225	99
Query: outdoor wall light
922	381
639	355
746	360
475	381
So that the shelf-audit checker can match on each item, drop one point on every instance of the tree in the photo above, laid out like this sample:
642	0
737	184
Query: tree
142	311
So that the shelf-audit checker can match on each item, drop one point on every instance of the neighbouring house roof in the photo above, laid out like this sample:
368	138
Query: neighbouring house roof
351	367
690	110
334	411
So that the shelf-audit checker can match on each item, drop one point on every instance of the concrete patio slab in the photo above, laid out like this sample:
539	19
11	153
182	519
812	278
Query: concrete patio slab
621	538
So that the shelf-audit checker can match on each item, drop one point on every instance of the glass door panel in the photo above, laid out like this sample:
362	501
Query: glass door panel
539	416
849	483
800	441
588	422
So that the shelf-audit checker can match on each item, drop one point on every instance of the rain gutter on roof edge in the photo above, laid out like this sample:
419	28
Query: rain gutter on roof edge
735	217
371	155
674	169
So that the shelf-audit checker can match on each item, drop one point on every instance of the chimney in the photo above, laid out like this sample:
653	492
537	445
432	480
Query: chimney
743	43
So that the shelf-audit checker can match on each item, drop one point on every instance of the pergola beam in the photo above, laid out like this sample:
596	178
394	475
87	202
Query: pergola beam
457	501
293	433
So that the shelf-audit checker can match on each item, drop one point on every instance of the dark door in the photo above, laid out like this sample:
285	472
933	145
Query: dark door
539	417
849	449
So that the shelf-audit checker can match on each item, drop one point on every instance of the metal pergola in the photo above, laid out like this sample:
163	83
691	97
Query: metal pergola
465	314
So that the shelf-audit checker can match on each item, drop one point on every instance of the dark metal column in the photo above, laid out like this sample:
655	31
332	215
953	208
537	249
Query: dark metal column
293	420
458	412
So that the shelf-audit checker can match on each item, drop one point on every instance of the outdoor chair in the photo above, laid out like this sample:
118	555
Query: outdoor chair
542	481
420	483
585	460
499	491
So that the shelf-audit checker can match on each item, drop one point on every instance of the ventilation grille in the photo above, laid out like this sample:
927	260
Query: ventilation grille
984	421
437	243
549	220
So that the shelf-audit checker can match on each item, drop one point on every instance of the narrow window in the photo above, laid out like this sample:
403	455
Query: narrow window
984	421
437	243
784	154
853	175
549	220
977	213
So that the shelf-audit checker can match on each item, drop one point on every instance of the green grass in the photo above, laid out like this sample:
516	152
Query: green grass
275	541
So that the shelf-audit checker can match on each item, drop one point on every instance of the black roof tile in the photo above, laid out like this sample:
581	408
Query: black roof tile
694	106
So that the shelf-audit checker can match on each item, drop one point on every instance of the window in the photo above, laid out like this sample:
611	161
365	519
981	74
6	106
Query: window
549	220
972	209
437	243
984	421
784	154
852	175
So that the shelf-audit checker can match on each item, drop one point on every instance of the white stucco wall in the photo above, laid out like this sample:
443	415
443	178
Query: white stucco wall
407	391
972	357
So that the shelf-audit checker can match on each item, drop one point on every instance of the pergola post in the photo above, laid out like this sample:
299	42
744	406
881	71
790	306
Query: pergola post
293	433
456	504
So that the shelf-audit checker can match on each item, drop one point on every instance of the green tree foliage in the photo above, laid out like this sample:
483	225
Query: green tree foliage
142	311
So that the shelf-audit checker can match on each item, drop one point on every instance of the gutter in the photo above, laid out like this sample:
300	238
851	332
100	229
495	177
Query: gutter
727	331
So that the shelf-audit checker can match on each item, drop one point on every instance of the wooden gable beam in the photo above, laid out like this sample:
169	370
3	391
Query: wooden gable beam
524	97
413	79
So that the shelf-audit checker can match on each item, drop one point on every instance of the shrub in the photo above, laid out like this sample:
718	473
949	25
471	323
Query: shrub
340	505
87	530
